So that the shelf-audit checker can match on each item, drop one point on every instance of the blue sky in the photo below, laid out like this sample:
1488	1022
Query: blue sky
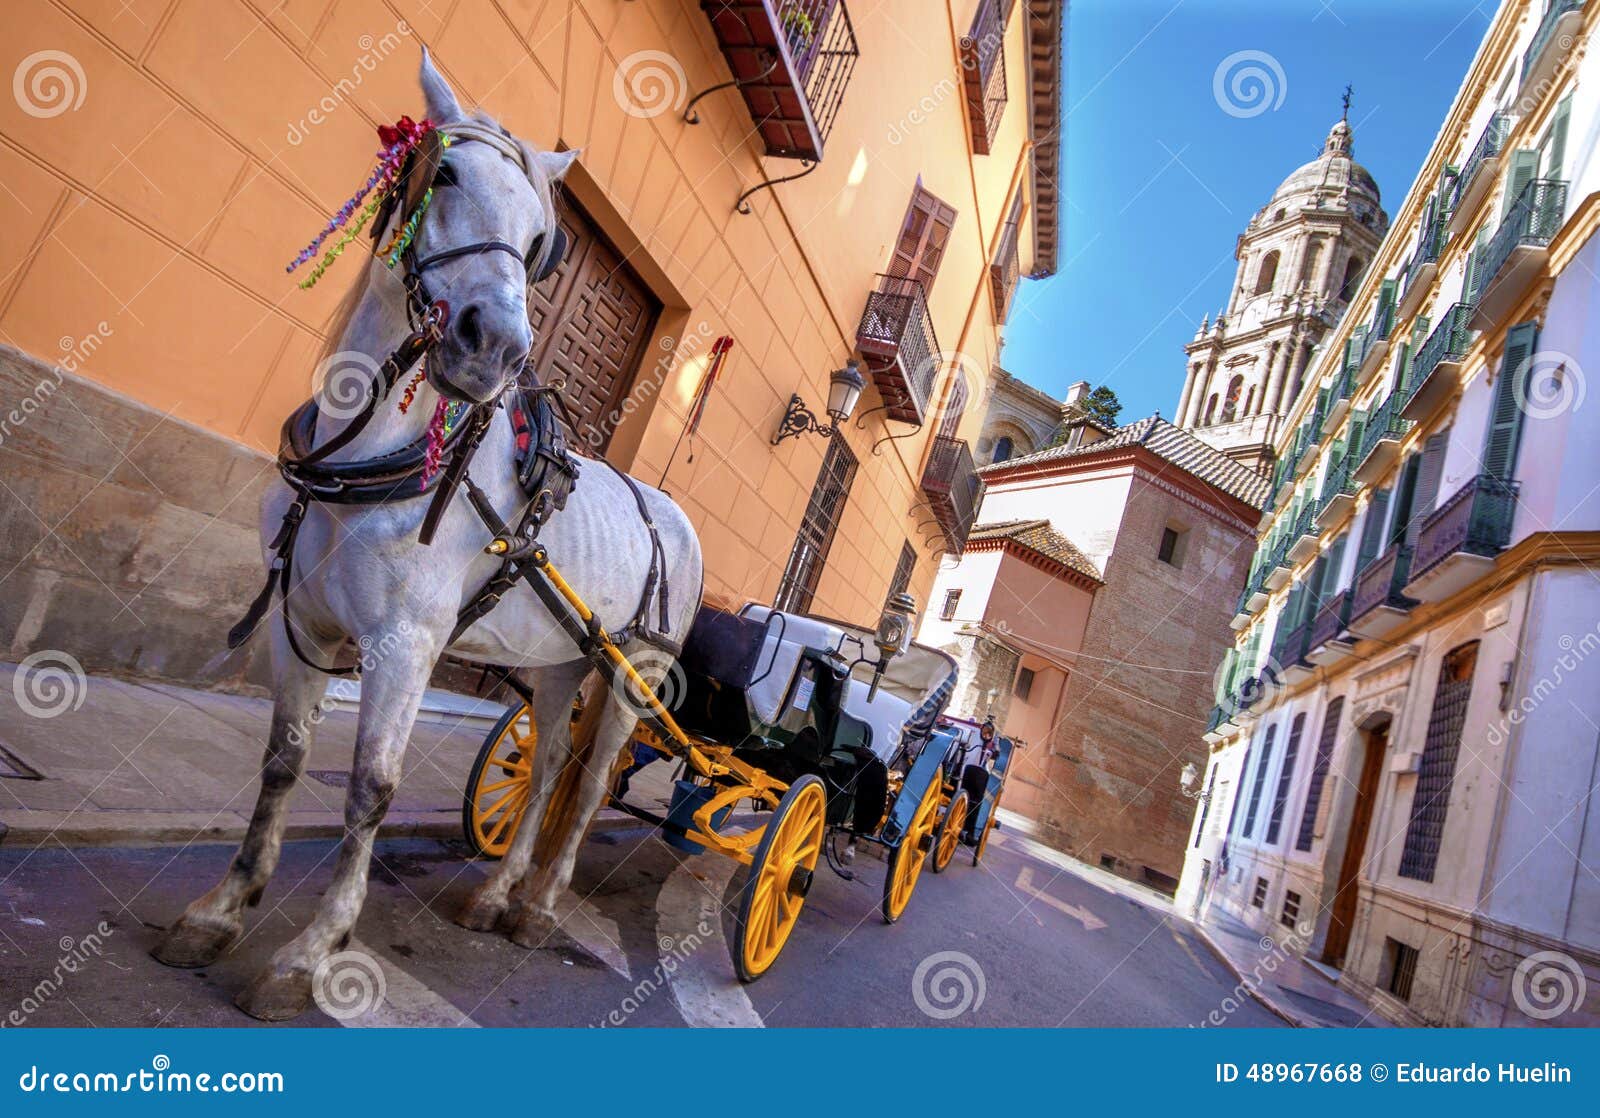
1161	180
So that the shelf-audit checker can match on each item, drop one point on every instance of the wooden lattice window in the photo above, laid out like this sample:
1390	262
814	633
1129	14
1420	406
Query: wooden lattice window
1280	799
983	72
804	569
1319	773
1436	773
924	235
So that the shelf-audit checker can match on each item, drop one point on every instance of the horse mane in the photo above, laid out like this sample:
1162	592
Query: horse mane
543	190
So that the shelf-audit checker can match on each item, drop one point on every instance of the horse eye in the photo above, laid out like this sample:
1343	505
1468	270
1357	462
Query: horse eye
446	176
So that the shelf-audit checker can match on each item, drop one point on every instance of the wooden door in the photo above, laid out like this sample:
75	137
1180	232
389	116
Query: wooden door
591	321
1342	911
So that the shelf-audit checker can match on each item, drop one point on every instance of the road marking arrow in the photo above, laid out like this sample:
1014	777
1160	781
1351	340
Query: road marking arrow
1090	922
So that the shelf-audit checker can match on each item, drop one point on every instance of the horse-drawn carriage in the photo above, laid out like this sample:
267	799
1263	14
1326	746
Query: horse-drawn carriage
832	728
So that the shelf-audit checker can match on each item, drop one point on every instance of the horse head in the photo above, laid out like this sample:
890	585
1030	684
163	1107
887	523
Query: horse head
488	232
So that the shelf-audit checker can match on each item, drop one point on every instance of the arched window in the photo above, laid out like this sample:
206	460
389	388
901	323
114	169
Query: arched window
1250	401
1003	448
1268	275
1352	276
1230	406
1308	263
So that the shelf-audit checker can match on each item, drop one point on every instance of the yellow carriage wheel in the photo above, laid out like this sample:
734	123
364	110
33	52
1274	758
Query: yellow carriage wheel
500	784
780	877
955	817
905	864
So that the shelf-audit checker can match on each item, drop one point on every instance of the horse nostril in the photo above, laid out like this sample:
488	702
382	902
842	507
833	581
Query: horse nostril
468	327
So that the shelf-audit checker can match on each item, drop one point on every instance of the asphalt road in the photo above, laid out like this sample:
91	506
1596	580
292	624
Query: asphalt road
1015	942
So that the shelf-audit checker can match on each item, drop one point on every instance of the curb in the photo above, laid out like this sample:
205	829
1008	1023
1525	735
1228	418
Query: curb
1266	1001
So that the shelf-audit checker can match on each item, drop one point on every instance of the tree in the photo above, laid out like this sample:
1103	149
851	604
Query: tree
1100	407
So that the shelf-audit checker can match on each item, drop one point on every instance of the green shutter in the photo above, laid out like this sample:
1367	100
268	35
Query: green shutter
1505	416
1426	493
1472	284
1403	497
1556	139
1372	530
1358	426
1402	370
1330	576
1524	169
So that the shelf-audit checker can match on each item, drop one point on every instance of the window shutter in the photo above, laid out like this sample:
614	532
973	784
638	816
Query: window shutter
1556	142
1505	416
1427	488
1314	581
1524	169
1358	426
923	237
1402	370
1403	498
1330	576
1372	530
1472	284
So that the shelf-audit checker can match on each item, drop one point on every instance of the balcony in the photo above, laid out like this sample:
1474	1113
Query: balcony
1338	494
1251	601
1380	441
1552	43
1479	173
792	60
1377	605
1458	541
896	338
1290	653
1338	405
1435	369
1327	643
1375	342
983	72
1278	568
1004	271
1516	255
1424	262
1303	536
954	490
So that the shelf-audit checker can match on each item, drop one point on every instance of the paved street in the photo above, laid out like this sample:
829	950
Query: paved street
646	948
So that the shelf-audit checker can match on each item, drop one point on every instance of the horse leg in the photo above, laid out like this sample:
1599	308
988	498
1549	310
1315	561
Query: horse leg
213	922
533	908
391	693
554	689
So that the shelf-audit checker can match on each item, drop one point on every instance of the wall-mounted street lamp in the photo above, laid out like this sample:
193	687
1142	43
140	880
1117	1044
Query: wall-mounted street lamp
1186	782
844	389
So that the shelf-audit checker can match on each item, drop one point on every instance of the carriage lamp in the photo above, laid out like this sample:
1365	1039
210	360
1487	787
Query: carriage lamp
893	636
1186	781
844	389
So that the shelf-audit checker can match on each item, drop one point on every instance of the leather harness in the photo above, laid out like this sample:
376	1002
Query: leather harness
547	469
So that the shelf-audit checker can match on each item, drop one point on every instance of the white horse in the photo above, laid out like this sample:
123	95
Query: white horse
361	576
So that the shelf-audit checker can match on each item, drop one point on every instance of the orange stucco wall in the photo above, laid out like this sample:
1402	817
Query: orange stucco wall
160	210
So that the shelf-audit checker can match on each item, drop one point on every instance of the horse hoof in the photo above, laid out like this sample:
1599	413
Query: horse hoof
191	944
275	996
481	913
533	928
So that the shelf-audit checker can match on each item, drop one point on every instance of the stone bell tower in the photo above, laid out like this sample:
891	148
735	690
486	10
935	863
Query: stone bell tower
1300	260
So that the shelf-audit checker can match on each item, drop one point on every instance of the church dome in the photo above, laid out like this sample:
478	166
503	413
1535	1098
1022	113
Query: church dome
1332	180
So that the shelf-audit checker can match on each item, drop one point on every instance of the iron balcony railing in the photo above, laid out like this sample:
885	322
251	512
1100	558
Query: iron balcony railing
983	72
792	61
1306	523
1291	649
1331	619
1004	271
1547	27
1339	482
953	488
1384	423
1380	584
1430	240
896	337
1490	141
1448	342
1475	520
1533	219
1377	330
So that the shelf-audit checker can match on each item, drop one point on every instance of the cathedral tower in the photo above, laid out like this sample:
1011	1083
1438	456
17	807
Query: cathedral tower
1300	260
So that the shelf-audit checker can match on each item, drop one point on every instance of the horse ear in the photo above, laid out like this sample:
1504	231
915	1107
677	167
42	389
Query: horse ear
436	92
555	164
